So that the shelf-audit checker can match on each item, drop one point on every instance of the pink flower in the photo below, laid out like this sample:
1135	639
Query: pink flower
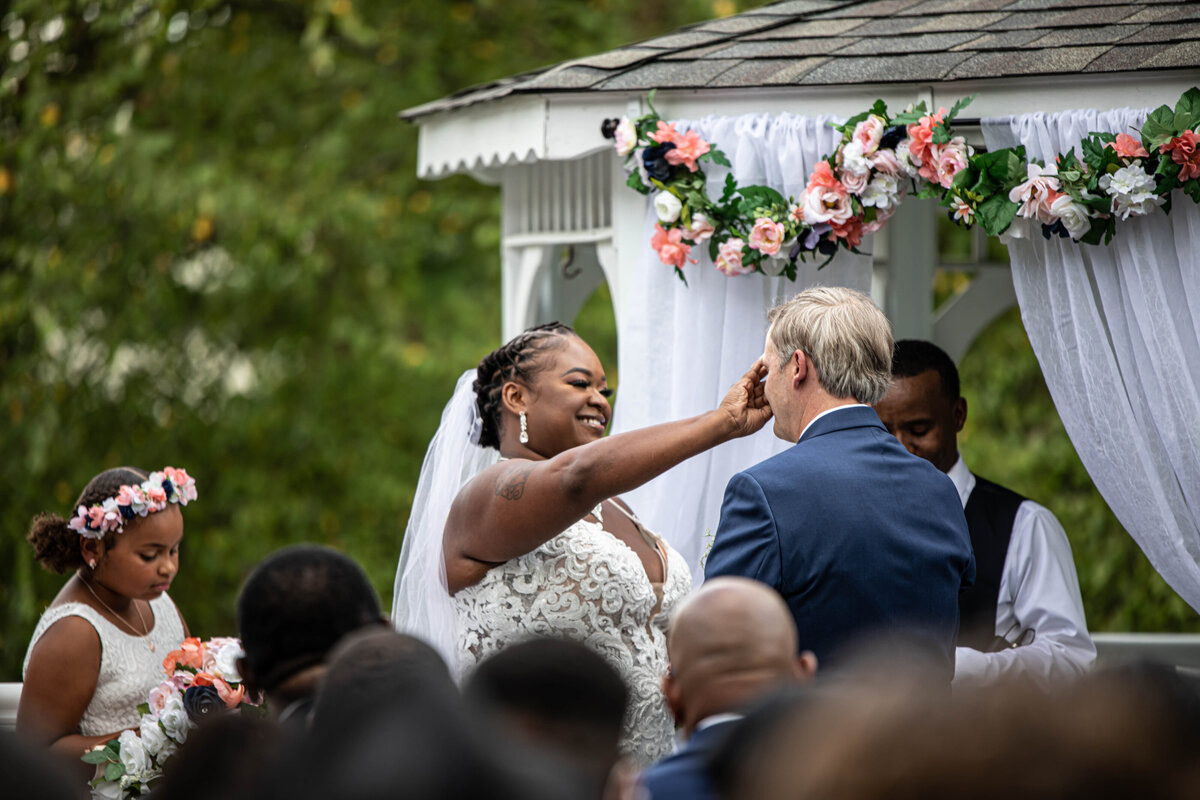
729	258
920	135
95	518
625	137
951	158
1183	152
701	230
825	199
854	182
671	250
688	147
185	485
160	694
766	236
1128	147
851	230
868	133
1036	194
156	495
880	220
885	161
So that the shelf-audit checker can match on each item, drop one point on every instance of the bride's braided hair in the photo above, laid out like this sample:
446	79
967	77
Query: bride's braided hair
518	360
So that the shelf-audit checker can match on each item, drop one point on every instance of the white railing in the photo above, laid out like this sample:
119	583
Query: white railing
10	695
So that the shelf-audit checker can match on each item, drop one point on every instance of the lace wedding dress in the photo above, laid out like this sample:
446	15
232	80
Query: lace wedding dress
129	669
589	586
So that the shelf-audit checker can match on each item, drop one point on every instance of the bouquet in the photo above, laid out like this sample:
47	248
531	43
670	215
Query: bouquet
202	681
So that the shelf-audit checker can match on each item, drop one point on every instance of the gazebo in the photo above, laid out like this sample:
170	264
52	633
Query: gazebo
762	85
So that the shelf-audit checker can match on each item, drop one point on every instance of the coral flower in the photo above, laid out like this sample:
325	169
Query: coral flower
921	134
688	147
1184	153
1128	147
671	250
851	230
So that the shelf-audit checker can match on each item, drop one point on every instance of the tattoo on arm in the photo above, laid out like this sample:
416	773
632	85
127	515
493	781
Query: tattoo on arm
511	485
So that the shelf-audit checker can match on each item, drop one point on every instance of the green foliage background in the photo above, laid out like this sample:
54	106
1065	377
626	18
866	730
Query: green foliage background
214	253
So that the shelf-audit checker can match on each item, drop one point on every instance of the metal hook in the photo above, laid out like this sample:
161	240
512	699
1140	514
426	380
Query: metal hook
568	260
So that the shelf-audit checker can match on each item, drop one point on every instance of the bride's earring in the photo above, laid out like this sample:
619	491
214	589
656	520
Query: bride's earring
524	428
92	564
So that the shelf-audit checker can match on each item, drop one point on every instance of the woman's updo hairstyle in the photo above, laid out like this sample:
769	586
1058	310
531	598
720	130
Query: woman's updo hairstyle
518	360
55	545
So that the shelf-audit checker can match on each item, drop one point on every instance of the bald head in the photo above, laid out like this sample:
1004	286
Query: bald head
731	641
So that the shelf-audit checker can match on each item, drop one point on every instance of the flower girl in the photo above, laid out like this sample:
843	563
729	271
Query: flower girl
98	649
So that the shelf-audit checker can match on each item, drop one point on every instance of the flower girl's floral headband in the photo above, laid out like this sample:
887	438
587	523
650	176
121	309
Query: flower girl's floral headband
153	494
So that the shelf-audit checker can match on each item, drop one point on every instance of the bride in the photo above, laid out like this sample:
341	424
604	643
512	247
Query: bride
535	542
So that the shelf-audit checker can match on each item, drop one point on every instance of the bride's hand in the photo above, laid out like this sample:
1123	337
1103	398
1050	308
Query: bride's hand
745	403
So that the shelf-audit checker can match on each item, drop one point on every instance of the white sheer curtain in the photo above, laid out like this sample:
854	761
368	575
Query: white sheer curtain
1116	330
681	347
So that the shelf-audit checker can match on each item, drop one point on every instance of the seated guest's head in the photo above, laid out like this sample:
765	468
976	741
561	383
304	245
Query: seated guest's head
923	407
560	698
1096	739
224	758
371	671
732	641
293	608
826	344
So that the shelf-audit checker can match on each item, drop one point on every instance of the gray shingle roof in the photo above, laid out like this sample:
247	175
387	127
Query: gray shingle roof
847	42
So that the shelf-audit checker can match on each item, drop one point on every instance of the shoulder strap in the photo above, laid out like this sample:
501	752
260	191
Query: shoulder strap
990	511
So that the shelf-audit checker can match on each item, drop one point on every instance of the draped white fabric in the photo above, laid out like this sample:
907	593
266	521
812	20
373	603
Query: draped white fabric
1116	330
681	347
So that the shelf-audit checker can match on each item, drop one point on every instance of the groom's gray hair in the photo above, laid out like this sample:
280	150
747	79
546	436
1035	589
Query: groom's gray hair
846	336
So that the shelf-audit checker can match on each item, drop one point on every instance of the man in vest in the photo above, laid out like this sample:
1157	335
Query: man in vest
1024	614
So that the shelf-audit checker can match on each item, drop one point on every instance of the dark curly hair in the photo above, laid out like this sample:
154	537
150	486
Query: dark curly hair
518	360
55	545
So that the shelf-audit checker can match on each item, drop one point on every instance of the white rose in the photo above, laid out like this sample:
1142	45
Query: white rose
909	164
667	206
108	790
625	136
221	657
853	158
174	719
134	755
153	738
1072	215
882	192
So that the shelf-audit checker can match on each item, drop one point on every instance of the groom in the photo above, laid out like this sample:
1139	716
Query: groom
866	542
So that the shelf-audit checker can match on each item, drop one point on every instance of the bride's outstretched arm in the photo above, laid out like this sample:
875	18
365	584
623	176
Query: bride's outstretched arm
513	507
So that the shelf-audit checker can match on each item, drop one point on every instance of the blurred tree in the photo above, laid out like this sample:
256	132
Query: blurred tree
214	253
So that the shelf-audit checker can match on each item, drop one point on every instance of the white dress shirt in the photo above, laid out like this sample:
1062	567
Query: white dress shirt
1039	592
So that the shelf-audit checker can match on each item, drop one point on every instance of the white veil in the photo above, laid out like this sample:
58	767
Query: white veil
421	604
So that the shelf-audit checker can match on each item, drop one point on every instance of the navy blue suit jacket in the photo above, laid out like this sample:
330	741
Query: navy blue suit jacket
861	538
683	775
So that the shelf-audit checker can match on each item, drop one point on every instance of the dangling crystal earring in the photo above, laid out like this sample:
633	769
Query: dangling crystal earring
524	429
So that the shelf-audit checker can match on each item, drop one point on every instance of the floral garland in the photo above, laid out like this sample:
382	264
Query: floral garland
169	485
202	681
881	160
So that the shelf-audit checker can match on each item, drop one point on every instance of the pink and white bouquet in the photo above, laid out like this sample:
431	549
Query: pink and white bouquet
202	681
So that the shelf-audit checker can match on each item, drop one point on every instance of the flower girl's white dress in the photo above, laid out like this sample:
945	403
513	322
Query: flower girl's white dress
589	586
129	668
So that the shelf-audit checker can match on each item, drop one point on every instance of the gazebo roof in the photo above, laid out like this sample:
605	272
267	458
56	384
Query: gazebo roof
815	43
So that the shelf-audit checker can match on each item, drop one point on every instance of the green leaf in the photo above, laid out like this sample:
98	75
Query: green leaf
1159	127
1189	107
957	107
114	771
879	109
143	709
717	157
909	117
761	196
1192	189
996	214
634	181
95	757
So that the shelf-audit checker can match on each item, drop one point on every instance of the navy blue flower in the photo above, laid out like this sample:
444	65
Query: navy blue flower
126	512
654	158
893	136
1056	229
168	487
202	702
608	128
